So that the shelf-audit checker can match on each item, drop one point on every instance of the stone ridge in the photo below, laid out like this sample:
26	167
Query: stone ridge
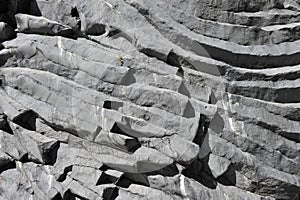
139	99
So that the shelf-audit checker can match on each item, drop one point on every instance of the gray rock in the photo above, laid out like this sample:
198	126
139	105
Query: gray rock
14	186
41	25
41	148
86	175
11	146
127	99
218	165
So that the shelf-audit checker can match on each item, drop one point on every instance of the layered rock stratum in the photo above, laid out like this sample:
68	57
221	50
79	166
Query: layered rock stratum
140	99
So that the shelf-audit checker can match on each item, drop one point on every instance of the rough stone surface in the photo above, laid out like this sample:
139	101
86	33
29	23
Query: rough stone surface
139	99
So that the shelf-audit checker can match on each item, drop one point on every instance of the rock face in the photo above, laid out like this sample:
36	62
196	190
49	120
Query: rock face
138	99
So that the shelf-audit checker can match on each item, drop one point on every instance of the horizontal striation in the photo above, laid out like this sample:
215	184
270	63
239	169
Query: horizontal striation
127	99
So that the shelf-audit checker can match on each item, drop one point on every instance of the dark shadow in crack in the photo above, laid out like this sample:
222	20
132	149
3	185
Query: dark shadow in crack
202	130
63	176
3	6
74	12
50	156
4	17
69	195
114	105
6	165
57	197
34	8
110	193
200	171
29	7
96	29
27	120
117	129
21	6
229	177
106	179
131	144
173	59
132	178
153	53
4	125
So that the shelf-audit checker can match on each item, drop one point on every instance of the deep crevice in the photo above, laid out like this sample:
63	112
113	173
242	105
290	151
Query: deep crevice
57	197
173	59
132	145
229	177
74	12
199	170
6	165
68	195
110	193
27	120
114	105
50	155
202	130
106	179
104	167
132	178
4	125
113	33
63	176
96	29
118	130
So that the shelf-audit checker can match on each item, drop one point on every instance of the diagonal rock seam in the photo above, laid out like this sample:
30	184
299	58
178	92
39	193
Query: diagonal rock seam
127	99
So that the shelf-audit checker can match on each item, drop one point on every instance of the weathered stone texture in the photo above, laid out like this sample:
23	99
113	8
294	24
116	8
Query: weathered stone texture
139	99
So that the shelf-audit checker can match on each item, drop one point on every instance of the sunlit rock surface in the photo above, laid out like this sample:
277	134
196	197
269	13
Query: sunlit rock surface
139	99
